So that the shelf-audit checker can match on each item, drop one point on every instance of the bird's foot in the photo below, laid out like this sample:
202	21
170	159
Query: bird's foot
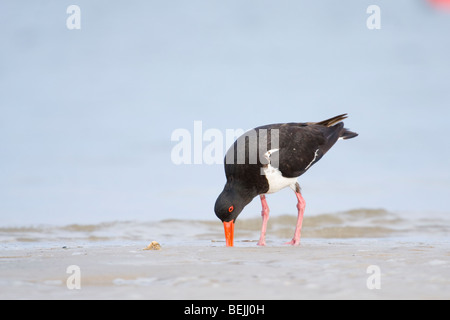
261	243
294	242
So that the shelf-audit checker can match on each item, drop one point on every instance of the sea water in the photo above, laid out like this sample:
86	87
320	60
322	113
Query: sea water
87	115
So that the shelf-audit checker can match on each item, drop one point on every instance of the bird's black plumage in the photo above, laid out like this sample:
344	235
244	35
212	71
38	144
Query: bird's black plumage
297	146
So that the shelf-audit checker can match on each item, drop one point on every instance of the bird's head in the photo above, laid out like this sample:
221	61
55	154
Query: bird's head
228	206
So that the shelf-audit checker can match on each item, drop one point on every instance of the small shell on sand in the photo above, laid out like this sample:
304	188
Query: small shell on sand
153	246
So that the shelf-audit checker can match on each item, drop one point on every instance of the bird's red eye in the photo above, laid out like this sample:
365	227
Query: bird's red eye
230	209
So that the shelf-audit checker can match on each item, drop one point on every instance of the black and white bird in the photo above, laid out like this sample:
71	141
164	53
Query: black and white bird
269	158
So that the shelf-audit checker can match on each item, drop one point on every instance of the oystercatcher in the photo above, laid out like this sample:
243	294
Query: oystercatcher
269	158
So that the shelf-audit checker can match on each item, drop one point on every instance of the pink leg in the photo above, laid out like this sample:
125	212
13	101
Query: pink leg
298	228
265	217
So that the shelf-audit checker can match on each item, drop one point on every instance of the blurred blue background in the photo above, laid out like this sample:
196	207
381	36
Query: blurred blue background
86	116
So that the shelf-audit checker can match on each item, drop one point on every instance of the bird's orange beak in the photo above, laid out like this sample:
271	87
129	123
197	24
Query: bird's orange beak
229	232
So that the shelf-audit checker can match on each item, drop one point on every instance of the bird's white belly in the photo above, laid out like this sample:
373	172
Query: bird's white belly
277	181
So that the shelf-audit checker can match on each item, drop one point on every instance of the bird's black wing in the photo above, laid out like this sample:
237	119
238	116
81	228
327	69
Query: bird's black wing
301	145
291	147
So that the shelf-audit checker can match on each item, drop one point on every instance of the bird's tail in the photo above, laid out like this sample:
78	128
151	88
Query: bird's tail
345	133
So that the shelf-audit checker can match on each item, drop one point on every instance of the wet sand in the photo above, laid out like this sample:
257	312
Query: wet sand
318	269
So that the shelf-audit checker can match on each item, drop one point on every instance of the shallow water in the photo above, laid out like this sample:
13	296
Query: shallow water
352	224
331	262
